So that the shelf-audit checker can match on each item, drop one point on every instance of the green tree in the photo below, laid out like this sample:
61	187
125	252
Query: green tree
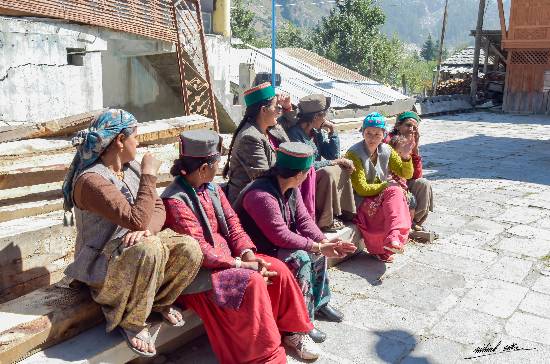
429	50
241	22
351	37
288	35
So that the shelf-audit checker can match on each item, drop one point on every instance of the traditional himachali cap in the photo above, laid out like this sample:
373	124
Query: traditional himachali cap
259	93
313	103
295	155
375	120
409	115
199	143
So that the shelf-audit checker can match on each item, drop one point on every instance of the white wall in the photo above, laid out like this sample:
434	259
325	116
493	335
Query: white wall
36	83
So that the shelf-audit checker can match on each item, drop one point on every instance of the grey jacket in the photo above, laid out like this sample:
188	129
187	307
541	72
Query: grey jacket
252	155
92	253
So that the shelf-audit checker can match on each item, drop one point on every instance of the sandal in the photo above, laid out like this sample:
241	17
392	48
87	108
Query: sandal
334	227
394	247
144	335
171	312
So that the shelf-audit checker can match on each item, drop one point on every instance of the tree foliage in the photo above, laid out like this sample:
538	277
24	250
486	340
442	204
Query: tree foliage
429	50
288	35
242	22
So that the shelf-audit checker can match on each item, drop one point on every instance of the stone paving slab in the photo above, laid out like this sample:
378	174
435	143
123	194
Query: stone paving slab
537	304
529	327
535	248
494	297
509	269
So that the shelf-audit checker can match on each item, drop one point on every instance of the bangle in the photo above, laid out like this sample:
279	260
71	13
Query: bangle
245	251
238	262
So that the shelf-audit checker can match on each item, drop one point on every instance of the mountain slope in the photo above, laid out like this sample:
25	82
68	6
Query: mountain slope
411	20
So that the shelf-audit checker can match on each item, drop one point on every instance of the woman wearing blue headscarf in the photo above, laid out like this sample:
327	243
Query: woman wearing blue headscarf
129	270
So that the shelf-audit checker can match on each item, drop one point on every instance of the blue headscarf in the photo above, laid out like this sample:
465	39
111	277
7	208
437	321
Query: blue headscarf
91	143
375	120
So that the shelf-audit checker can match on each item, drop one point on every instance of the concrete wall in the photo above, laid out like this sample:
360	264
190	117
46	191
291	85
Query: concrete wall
36	82
219	52
133	84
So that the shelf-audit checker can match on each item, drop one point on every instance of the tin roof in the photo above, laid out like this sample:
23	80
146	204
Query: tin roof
304	73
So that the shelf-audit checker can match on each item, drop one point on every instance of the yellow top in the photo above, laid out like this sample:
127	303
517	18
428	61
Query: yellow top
359	181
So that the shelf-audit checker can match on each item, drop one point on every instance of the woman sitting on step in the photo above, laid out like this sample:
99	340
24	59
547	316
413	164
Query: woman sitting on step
382	214
129	270
252	149
407	126
246	300
329	185
273	213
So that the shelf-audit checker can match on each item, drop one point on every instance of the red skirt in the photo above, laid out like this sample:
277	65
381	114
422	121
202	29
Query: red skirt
252	334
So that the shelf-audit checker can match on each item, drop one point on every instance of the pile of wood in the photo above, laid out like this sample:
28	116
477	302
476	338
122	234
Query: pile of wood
455	86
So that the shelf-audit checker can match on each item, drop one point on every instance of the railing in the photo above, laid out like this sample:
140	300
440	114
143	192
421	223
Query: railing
174	21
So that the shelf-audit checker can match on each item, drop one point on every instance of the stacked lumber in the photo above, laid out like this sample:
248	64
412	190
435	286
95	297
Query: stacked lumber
455	86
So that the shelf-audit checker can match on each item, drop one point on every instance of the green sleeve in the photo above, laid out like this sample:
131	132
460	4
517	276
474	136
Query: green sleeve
359	179
400	167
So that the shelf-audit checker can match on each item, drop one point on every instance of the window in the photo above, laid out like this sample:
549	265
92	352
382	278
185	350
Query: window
75	56
207	22
546	81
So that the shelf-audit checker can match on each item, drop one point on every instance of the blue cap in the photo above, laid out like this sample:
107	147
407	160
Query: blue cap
375	120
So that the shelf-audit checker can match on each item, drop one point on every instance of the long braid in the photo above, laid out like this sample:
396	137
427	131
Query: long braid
250	116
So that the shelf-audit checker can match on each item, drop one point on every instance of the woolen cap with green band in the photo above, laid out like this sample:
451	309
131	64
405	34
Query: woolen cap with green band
408	115
295	156
259	93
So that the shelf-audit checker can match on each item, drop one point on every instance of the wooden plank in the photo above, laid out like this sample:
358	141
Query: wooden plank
502	20
153	132
43	318
58	127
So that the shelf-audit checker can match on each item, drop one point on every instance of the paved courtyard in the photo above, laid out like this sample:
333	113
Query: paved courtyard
484	284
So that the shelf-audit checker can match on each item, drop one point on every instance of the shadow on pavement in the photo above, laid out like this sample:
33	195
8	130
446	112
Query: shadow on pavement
384	352
365	266
488	157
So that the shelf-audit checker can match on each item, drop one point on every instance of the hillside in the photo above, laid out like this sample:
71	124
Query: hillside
411	20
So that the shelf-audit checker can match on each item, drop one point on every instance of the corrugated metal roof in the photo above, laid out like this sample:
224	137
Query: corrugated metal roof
304	73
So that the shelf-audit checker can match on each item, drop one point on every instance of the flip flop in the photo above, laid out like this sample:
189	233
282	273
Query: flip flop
143	335
171	311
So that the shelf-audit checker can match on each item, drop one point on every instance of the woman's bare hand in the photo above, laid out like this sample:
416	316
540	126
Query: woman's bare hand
150	164
133	237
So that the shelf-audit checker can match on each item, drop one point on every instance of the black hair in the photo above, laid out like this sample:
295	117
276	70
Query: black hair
250	115
306	118
191	164
277	171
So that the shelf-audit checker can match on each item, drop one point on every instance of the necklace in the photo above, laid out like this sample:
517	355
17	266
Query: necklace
119	175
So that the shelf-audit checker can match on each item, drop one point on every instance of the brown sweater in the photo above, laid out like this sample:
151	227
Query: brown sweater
94	193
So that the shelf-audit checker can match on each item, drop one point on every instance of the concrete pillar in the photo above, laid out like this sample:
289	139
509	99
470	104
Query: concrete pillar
221	17
246	78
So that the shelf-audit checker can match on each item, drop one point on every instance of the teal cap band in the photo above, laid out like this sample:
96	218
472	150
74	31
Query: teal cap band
408	115
294	162
261	94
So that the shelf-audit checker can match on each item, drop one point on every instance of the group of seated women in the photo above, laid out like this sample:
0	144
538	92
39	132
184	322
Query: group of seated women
250	259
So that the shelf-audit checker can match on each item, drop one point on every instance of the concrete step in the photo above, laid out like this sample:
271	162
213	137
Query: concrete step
86	345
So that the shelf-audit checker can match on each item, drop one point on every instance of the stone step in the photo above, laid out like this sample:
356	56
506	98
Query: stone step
39	309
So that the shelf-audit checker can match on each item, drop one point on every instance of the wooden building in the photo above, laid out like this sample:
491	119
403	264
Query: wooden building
527	42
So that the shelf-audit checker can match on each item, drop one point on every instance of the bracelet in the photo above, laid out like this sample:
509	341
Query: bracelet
245	251
238	262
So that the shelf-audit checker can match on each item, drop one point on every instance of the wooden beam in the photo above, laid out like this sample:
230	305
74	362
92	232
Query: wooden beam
498	53
43	318
502	20
475	73
58	127
440	51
